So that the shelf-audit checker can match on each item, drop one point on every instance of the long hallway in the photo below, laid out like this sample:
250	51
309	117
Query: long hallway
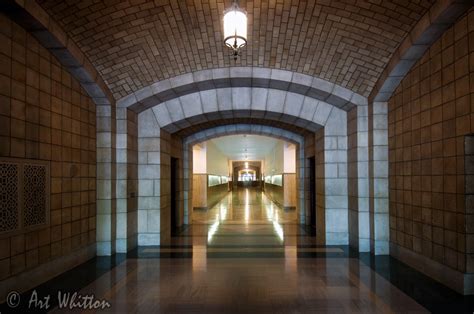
248	255
124	125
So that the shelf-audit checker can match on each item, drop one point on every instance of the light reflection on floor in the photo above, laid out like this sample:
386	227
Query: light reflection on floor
257	212
247	255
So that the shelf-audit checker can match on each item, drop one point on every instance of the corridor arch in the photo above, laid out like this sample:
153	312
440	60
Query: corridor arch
312	119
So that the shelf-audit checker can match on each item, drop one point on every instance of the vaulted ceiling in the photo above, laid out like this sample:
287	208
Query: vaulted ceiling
135	43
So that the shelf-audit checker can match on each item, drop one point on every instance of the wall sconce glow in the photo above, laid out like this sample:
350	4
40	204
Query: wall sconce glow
235	29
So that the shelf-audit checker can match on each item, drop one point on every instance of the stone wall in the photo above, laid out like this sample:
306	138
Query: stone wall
378	173
334	143
46	115
155	149
149	183
358	178
127	180
429	115
469	184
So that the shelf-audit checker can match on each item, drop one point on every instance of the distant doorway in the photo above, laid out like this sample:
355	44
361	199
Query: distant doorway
312	191
174	194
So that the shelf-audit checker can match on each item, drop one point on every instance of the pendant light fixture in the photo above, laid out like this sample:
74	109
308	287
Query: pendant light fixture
235	29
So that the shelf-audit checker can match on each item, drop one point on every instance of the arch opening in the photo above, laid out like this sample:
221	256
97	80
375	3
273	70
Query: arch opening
226	180
166	127
156	139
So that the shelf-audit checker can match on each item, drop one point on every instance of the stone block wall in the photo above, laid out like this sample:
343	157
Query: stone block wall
335	177
155	149
149	183
358	178
378	172
429	116
46	115
469	185
106	219
127	179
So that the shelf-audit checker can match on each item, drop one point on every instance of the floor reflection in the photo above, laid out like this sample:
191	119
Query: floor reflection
247	255
245	206
248	213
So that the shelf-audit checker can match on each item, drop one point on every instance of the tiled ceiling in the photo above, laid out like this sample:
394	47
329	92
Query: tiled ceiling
138	42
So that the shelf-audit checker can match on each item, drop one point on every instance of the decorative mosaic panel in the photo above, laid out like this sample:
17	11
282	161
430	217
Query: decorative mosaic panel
9	198
34	201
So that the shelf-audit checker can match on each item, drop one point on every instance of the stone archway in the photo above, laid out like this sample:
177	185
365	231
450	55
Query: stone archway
326	131
332	120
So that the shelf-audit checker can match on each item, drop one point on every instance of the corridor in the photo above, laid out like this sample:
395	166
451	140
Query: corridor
221	156
247	255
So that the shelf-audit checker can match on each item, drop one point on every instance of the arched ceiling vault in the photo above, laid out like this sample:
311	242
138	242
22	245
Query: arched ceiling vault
134	44
235	77
117	49
259	124
244	128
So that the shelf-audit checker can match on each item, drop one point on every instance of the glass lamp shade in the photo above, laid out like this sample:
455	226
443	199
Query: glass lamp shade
235	27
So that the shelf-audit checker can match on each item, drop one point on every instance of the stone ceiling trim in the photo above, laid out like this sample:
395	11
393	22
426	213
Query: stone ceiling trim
221	122
236	129
36	20
180	125
442	15
243	102
204	80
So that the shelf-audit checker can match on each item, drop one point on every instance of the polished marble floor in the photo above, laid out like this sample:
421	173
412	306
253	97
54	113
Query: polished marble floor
247	255
245	206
